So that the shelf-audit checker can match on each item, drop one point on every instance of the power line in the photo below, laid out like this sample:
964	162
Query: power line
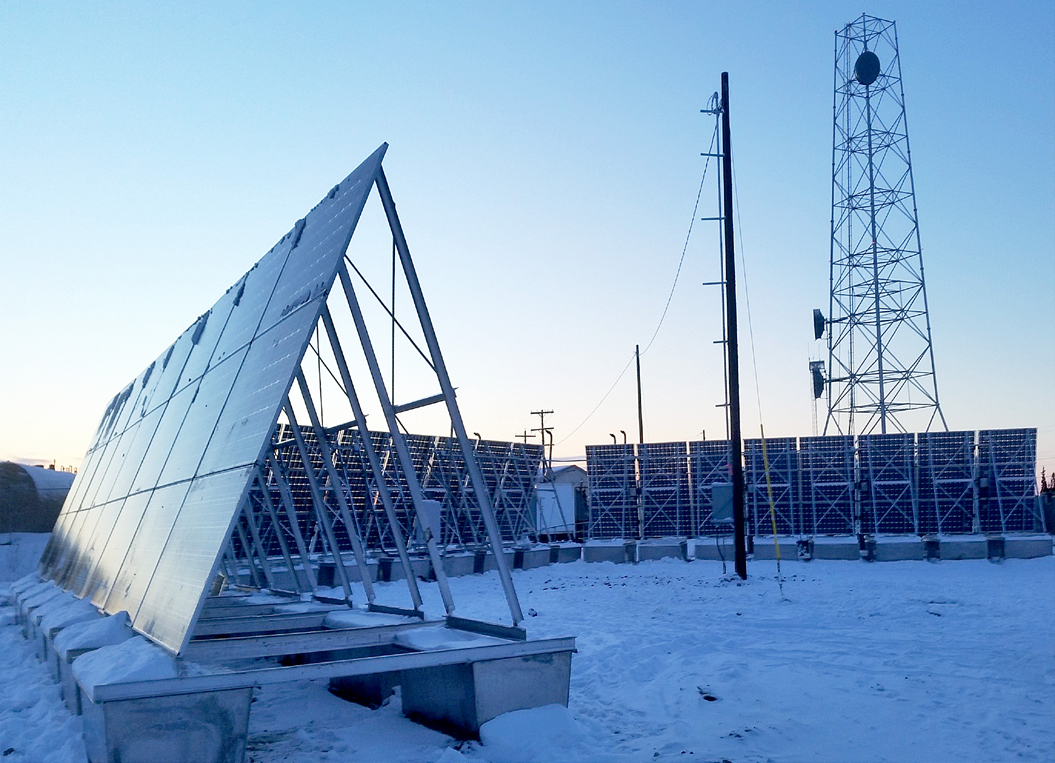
666	307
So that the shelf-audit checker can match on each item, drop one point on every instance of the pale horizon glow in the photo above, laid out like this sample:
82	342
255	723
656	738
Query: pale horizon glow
545	160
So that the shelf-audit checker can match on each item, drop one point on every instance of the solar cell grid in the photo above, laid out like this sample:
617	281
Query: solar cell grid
709	463
888	477
947	482
613	488
1007	461
124	462
828	471
664	489
783	480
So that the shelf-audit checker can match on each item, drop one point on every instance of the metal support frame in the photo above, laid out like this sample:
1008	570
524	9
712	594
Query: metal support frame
286	496
889	502
830	484
664	489
613	491
269	506
1007	460
371	454
708	464
398	442
321	509
248	550
448	392
320	670
880	356
337	487
948	495
254	535
783	479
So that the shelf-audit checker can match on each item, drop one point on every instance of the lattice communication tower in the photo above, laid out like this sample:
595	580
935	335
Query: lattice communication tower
880	359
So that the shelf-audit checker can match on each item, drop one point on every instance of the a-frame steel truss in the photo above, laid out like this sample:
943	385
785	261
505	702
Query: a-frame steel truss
183	476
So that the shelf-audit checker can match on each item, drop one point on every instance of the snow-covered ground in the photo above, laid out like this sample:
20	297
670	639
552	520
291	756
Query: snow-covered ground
19	553
898	661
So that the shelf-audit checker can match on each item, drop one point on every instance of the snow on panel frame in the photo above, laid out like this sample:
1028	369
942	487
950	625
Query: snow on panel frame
242	355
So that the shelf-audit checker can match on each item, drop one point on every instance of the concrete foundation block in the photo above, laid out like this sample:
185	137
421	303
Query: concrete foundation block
491	564
566	553
899	549
668	550
708	548
1027	547
972	547
836	548
614	554
457	699
68	686
209	727
535	557
456	565
766	549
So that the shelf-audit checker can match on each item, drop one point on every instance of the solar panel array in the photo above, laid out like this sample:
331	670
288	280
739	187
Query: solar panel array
780	492
664	489
510	472
170	463
901	483
947	482
613	491
1007	482
888	486
829	485
709	463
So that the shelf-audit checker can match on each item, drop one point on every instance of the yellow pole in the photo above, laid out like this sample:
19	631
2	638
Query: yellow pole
769	491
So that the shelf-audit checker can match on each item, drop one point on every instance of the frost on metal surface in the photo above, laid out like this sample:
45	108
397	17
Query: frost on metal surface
160	487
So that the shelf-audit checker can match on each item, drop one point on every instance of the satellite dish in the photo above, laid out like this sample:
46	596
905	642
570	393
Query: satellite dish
818	324
866	70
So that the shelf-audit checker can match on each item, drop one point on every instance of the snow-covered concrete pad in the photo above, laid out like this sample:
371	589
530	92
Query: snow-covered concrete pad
212	726
708	548
459	699
671	549
609	552
766	549
1027	546
81	638
957	548
899	549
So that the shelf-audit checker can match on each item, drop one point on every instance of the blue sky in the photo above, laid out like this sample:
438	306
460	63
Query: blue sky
545	158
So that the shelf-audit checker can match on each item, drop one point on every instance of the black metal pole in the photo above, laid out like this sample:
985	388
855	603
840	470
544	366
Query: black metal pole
640	415
731	347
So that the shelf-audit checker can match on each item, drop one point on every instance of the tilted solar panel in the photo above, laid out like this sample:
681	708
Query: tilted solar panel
148	516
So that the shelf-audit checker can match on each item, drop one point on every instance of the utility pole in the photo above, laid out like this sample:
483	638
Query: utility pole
525	436
542	429
641	441
640	416
734	360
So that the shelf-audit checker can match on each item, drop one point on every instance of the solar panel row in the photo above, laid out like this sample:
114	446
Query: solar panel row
160	488
935	482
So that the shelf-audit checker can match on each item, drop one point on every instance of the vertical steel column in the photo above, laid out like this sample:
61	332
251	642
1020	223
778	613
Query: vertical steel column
253	572
875	254
338	489
254	534
269	506
417	497
371	456
230	566
321	509
448	392
286	495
